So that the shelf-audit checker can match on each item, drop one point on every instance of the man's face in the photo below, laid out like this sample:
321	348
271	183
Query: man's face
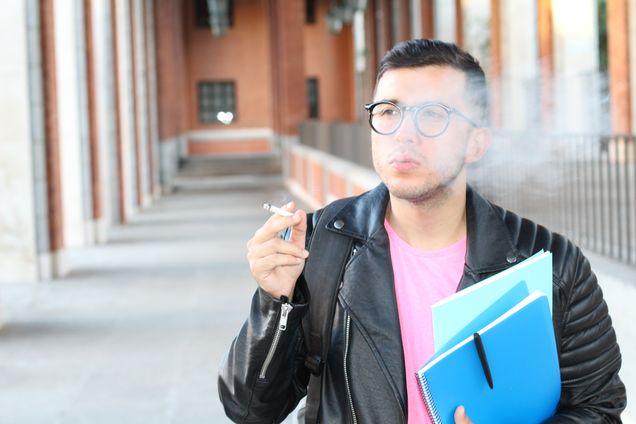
415	167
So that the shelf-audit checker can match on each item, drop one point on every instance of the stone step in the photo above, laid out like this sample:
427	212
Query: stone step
235	165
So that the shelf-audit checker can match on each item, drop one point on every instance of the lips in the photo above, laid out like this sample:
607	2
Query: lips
404	163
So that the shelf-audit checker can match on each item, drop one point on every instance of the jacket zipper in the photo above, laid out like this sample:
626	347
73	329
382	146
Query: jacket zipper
346	372
282	326
347	326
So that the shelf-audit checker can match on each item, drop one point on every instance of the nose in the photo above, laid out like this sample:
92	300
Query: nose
407	131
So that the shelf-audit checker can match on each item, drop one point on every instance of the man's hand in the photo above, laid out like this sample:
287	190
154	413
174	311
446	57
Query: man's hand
276	264
461	417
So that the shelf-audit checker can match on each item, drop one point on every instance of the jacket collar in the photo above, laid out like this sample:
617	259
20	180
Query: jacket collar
490	246
364	216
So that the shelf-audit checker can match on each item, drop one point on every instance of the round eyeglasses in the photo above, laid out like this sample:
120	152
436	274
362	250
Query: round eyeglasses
431	119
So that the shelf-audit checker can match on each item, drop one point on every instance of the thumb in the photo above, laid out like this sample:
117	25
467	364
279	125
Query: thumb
460	416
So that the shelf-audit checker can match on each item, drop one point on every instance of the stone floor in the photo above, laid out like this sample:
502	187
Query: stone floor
136	332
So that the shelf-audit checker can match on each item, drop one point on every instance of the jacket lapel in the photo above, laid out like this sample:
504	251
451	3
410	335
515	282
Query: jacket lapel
490	246
368	289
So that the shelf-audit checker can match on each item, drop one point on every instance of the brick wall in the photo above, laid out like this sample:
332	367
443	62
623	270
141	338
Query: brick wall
54	189
241	55
329	57
171	76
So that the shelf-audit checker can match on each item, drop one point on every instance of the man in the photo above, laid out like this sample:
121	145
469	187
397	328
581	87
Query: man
418	237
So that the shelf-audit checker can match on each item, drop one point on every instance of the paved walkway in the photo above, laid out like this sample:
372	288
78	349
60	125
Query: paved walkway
136	332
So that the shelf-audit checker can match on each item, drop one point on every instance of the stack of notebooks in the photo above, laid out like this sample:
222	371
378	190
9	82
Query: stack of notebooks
495	349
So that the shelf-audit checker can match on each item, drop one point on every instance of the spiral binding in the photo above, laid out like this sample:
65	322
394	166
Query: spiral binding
428	399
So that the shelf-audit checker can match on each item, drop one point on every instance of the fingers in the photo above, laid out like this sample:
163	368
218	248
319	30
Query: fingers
264	266
299	232
461	417
277	223
275	246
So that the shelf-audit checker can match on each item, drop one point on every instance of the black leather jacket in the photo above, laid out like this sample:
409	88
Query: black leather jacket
364	377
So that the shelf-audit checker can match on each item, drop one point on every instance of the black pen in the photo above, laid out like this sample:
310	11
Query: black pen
483	359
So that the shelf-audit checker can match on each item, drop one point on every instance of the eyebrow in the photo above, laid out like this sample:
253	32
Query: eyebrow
387	100
397	102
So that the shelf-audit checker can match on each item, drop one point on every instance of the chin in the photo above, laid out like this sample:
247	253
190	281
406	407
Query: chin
412	192
423	186
421	189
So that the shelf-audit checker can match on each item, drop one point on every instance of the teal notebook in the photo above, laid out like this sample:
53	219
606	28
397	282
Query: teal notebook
452	314
520	352
507	301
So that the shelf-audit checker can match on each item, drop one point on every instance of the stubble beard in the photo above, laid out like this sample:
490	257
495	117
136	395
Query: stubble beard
431	191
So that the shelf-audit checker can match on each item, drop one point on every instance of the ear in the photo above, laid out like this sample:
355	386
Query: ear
478	144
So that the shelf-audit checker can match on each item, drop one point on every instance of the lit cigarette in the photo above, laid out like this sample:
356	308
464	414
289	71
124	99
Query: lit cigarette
276	210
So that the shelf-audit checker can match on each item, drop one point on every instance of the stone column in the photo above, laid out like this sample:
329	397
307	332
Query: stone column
444	21
24	241
476	28
519	70
73	124
105	111
95	157
153	100
126	110
577	82
416	18
140	100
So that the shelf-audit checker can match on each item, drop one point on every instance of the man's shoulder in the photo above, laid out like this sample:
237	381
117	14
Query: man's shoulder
327	213
530	237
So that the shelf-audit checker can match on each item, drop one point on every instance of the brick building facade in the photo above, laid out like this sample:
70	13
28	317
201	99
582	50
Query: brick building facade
106	97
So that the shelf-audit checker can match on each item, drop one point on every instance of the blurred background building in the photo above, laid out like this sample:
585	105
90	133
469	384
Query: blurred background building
105	100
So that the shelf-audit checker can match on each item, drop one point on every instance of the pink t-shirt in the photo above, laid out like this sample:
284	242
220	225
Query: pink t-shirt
421	279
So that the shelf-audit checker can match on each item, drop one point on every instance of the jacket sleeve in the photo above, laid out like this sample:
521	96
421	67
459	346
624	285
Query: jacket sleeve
262	378
591	390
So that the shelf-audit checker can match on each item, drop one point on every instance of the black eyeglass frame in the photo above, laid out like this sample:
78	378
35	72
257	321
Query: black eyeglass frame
415	109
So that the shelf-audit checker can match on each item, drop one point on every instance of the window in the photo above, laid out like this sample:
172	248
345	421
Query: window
217	102
202	13
602	35
312	97
310	11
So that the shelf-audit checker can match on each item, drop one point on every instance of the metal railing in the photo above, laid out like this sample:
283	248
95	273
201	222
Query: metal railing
351	142
582	186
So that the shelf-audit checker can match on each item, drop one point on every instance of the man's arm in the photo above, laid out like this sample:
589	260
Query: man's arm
263	378
591	390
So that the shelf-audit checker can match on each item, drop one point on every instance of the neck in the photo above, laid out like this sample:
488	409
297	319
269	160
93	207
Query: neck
432	224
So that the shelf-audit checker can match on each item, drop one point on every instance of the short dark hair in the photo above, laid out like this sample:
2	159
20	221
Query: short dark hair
424	52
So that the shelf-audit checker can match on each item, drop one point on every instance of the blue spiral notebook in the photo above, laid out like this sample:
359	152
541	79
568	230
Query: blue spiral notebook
516	354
